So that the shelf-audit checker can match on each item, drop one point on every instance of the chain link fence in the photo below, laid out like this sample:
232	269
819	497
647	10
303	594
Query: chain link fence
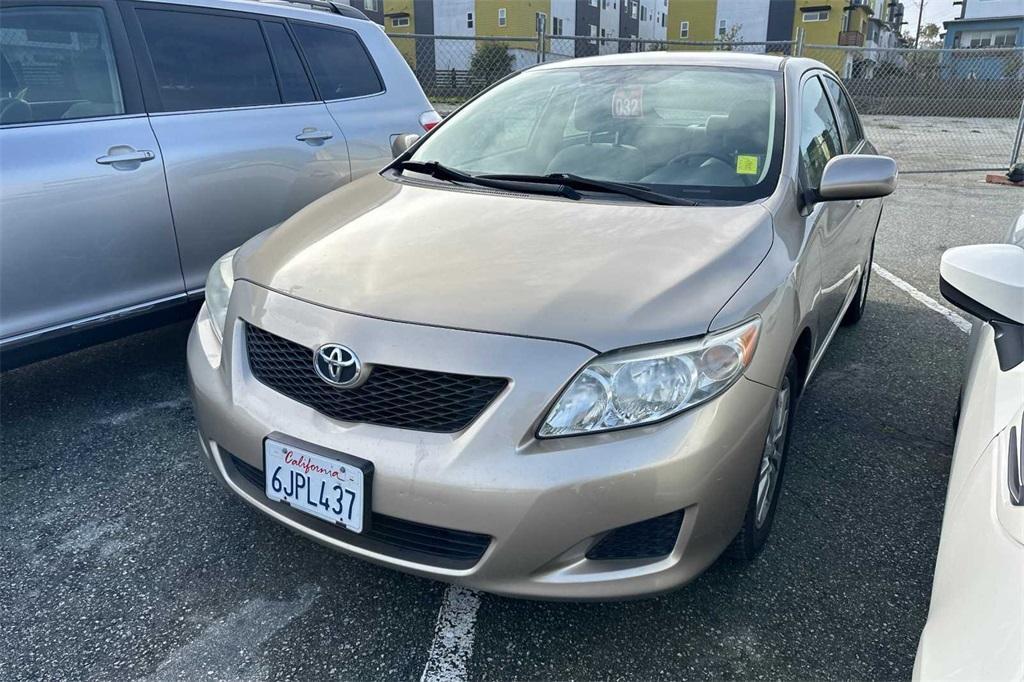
934	110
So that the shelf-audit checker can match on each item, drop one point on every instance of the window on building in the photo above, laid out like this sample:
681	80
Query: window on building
502	16
372	5
1008	39
469	20
643	12
634	9
398	22
593	3
604	4
818	15
721	27
593	34
684	29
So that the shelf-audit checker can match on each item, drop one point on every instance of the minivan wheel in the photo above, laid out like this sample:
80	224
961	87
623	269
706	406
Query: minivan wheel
764	498
860	301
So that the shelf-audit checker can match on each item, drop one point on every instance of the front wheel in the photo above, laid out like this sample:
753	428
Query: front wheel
764	498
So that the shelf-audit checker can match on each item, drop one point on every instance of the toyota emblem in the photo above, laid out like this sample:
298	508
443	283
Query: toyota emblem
337	365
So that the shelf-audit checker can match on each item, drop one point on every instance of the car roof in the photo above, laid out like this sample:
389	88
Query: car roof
315	10
741	60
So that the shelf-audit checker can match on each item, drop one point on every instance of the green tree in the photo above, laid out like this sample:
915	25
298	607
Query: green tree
490	63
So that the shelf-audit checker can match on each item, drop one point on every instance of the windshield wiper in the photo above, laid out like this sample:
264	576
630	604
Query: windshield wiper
579	182
512	184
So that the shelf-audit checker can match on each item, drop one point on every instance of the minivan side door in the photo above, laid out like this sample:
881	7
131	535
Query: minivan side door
85	226
246	141
354	89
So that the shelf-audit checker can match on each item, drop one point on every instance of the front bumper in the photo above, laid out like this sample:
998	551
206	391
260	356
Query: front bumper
544	503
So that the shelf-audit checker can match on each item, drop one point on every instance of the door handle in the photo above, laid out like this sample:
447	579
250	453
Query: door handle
127	157
313	135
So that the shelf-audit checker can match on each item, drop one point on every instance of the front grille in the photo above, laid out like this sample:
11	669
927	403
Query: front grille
392	396
388	535
648	539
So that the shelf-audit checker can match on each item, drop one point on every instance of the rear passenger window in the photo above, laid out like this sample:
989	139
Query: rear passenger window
819	134
207	61
56	63
295	86
340	64
844	112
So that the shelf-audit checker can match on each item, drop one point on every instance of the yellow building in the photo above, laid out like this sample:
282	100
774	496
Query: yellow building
400	17
691	20
511	17
828	22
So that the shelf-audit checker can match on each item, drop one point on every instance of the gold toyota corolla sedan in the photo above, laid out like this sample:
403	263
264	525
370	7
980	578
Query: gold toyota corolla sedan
555	348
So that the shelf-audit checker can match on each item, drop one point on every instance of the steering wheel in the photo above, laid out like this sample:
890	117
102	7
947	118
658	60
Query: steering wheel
686	156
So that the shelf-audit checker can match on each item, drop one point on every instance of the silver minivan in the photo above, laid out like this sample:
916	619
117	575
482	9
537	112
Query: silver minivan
141	140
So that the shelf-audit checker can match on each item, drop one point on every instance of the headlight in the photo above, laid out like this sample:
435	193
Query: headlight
644	385
218	290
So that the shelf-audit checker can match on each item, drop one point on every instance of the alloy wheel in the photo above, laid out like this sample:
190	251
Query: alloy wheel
771	458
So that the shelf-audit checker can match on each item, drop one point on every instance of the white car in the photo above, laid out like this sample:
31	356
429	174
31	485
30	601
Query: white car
975	628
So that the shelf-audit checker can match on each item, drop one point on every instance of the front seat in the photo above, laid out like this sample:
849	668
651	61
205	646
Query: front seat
602	160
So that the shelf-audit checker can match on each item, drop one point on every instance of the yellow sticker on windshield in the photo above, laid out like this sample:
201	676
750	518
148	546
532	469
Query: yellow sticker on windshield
746	165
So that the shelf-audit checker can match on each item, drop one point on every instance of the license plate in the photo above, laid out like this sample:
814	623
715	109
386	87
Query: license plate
329	485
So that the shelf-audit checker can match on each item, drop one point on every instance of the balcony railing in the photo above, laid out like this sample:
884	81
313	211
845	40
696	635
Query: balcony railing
851	38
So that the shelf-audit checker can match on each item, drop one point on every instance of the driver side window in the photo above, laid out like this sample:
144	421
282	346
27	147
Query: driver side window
819	133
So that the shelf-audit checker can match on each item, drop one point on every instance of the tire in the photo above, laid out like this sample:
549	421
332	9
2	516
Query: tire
757	521
860	300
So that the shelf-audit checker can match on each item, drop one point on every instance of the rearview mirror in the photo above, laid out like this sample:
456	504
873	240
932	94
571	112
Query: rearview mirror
857	176
402	142
987	281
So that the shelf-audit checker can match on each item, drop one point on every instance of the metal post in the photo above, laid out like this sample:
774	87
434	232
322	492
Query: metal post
799	41
540	41
1015	154
920	15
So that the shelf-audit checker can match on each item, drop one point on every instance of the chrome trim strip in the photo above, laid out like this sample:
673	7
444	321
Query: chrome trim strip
92	321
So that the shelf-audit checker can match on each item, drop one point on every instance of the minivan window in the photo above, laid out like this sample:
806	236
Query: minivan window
697	132
844	113
819	133
340	64
208	61
56	63
295	85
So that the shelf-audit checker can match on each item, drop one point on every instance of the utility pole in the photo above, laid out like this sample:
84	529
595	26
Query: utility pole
920	14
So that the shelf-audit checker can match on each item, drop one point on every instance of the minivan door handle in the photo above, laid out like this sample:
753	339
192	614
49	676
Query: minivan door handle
313	135
115	155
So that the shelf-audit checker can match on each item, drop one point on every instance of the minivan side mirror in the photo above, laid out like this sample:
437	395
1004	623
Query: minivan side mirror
402	142
987	281
857	176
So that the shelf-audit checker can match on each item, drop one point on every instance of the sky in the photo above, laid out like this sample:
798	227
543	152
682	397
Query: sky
935	12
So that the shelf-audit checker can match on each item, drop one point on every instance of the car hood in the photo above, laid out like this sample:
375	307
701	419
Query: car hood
603	274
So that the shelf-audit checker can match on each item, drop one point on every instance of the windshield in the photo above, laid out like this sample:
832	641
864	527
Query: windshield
689	131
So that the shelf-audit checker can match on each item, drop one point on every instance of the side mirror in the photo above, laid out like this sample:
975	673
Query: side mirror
857	176
402	142
987	281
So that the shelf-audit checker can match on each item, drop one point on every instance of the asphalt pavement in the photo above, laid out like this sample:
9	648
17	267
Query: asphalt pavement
123	559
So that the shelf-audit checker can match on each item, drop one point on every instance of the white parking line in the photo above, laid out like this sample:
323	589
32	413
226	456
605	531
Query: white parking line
453	636
962	323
